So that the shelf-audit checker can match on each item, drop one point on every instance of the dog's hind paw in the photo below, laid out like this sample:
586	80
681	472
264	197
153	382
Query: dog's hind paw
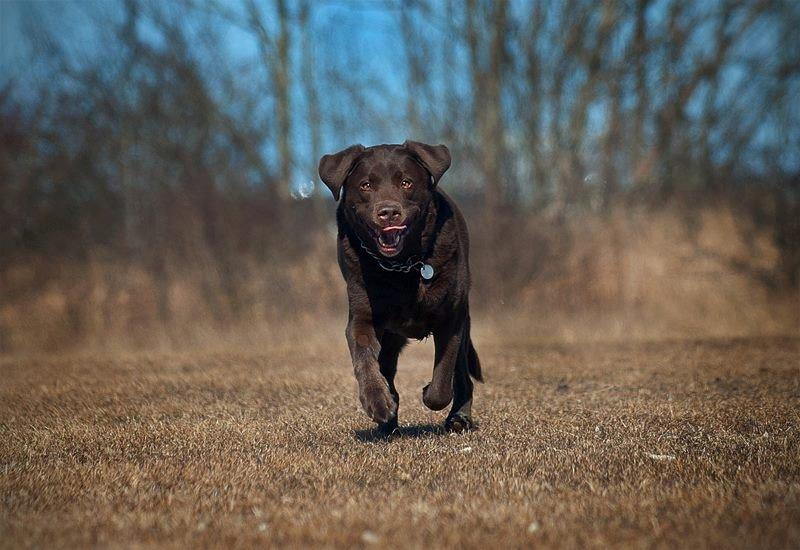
458	423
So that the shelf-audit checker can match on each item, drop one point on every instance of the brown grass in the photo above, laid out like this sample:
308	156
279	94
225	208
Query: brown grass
672	443
637	272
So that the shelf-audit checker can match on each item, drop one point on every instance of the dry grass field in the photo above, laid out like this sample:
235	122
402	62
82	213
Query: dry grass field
672	443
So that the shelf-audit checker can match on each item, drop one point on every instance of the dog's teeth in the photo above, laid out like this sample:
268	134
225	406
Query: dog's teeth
390	238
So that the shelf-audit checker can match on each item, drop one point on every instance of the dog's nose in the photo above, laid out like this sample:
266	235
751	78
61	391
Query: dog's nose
389	212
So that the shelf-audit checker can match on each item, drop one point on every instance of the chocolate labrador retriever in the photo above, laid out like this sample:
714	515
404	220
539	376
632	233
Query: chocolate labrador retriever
403	250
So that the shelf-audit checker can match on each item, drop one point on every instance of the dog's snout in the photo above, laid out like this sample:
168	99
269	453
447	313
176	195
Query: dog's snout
389	212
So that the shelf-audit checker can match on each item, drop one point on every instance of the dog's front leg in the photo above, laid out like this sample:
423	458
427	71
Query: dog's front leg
373	390
438	394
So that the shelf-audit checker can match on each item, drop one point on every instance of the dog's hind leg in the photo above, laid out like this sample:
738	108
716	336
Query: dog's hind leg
468	366
460	417
448	341
391	345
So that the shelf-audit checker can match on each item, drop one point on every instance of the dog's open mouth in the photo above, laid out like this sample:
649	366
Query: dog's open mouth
390	238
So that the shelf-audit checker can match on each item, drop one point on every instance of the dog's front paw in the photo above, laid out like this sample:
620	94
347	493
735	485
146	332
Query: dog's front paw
378	403
436	398
386	429
459	422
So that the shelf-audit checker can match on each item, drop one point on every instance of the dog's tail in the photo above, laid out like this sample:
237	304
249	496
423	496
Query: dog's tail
473	363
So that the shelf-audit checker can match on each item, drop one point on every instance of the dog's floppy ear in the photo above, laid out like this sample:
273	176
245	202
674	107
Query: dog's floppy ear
435	158
333	169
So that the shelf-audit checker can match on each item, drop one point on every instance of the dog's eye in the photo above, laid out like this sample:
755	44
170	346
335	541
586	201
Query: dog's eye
366	186
407	184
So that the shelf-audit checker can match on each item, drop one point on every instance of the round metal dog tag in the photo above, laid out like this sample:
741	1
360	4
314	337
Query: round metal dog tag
426	271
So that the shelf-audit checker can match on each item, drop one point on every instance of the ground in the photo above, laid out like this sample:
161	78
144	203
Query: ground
671	443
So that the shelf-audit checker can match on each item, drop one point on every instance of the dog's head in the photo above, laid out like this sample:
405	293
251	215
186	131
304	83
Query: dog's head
386	189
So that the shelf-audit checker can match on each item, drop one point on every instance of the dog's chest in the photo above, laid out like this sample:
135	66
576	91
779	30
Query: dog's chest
412	324
420	311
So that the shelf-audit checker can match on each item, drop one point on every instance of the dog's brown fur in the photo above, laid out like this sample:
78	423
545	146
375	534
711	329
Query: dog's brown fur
389	186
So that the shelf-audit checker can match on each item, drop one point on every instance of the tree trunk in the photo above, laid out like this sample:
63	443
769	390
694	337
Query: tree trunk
282	92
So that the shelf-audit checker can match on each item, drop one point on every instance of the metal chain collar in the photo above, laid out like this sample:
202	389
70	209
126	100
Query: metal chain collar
404	267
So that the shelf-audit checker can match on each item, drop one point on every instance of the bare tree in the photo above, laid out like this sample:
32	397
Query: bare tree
275	58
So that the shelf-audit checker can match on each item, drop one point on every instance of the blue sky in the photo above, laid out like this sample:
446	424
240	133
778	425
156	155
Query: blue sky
357	36
347	33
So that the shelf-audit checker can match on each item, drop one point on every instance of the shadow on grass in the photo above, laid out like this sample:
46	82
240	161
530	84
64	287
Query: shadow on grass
412	431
